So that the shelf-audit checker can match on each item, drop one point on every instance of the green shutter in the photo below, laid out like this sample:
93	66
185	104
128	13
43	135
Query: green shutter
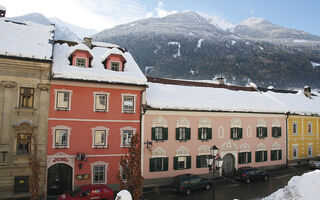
153	133
199	133
265	132
273	155
177	133
188	133
258	131
274	130
209	133
151	162
198	162
188	162
279	131
240	133
165	133
249	157
240	158
231	131
165	164
257	156
265	155
280	154
175	163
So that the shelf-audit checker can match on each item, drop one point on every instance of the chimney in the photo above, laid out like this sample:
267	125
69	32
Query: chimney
88	41
2	11
220	80
307	91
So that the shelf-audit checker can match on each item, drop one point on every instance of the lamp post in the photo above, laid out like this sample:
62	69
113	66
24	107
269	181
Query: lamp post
214	162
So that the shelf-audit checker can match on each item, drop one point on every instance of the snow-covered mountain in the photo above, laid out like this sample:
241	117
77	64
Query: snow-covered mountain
63	30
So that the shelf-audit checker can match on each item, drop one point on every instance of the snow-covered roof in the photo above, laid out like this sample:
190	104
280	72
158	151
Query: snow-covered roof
237	99
26	40
104	44
115	51
62	69
2	7
80	46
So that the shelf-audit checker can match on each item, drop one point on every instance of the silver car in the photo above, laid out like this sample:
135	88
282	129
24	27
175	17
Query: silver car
314	164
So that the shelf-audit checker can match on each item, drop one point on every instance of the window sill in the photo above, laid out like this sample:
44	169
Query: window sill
101	111
162	140
204	140
236	138
24	109
62	109
62	147
128	112
100	147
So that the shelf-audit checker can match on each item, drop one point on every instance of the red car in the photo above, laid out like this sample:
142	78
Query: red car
98	192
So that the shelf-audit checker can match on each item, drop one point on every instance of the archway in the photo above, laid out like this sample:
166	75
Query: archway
228	164
59	179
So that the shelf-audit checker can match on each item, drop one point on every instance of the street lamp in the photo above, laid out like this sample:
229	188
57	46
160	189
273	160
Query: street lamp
214	162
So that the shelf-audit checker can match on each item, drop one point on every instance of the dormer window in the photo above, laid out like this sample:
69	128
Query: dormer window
115	66
81	62
114	60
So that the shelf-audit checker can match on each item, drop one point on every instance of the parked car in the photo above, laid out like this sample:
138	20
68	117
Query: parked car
314	164
187	183
250	174
101	191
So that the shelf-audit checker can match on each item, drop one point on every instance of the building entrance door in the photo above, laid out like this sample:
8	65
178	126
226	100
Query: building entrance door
228	164
59	179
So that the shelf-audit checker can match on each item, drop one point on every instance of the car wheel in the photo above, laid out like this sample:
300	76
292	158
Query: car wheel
266	178
208	187
188	191
248	180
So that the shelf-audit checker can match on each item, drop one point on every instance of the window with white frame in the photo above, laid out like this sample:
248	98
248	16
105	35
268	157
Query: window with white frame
201	161
63	100
81	62
294	128
159	133
99	138
244	157
294	152
310	128
158	164
61	136
128	103
100	102
309	150
126	134
98	174
204	133
115	66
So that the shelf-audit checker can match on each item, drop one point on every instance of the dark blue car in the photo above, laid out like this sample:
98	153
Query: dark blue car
250	174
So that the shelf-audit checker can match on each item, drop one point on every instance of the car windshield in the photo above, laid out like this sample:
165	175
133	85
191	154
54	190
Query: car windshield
75	192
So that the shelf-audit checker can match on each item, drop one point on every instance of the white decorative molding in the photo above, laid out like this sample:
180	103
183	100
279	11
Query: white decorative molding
56	98
182	151
105	172
183	122
124	129
244	147
249	131
235	123
53	135
276	123
60	157
94	100
261	147
100	128
221	132
159	152
261	123
229	146
159	122
275	146
134	102
204	150
204	123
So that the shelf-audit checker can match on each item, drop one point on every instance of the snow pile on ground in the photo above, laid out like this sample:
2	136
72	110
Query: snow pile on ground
305	187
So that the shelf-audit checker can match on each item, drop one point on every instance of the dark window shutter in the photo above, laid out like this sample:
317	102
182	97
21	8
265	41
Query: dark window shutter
177	133
265	132
231	133
165	133
240	133
209	133
188	162
274	130
198	161
199	133
249	157
240	158
151	162
265	155
175	163
279	131
257	156
273	155
258	131
165	164
153	133
280	154
188	133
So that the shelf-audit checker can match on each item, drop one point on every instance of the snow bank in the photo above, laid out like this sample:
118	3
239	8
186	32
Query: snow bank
27	40
305	187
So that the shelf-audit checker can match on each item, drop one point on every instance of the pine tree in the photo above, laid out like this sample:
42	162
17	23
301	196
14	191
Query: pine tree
131	165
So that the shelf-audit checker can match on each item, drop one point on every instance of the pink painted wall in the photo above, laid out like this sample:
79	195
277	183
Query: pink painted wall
171	145
115	58
80	54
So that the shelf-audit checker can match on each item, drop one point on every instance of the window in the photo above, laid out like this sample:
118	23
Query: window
4	157
182	162
276	131
262	132
204	133
128	104
101	103
309	150
202	161
23	143
114	66
62	100
159	133
158	164
244	157
294	128
310	128
21	184
126	138
276	155
81	62
236	133
98	174
295	152
261	156
183	133
99	138
61	138
26	97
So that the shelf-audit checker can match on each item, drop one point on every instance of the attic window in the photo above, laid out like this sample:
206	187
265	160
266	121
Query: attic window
81	62
114	66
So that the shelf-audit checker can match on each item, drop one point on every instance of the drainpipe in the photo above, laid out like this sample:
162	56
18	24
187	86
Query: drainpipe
287	139
142	112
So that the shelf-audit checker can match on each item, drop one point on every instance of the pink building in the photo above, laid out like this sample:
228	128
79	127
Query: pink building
184	119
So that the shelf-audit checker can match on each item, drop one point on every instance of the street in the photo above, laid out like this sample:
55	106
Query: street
230	188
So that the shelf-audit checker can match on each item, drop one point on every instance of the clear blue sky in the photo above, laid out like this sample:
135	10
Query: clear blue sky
100	14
